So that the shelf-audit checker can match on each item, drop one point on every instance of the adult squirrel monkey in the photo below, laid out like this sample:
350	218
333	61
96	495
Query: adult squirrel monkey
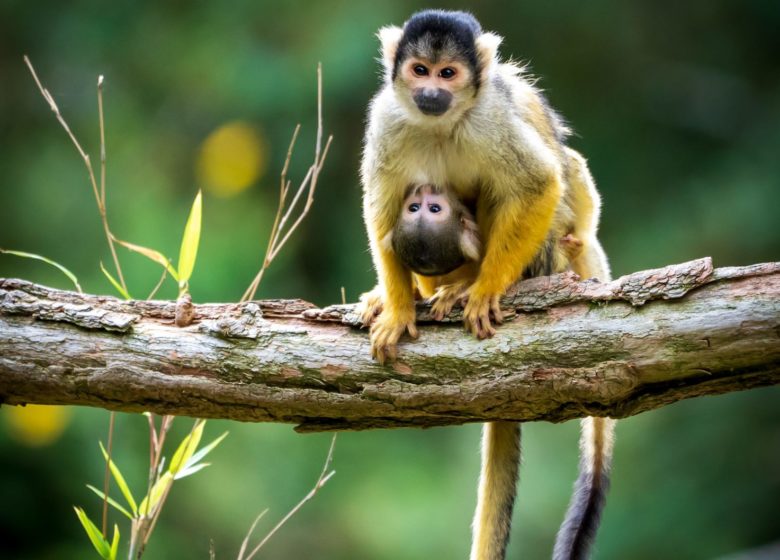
449	113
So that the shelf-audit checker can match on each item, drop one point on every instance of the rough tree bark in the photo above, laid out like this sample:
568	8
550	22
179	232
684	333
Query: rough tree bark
571	349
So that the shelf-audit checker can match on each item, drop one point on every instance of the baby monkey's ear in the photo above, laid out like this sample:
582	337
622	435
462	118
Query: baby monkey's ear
470	242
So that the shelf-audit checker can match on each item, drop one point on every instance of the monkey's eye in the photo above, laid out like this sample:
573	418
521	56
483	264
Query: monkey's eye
447	73
434	208
420	70
414	207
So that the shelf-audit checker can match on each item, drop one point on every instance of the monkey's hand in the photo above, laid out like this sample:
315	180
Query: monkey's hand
446	297
370	306
478	312
571	245
387	330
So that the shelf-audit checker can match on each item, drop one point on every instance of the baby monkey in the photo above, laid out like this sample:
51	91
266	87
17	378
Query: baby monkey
438	239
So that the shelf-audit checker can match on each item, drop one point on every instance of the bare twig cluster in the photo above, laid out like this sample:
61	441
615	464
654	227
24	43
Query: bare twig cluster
99	192
324	477
280	235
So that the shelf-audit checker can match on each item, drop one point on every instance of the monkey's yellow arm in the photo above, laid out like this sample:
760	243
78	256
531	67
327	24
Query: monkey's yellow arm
515	233
395	281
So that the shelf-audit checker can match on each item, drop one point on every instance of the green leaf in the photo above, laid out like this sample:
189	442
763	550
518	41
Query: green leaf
187	471
190	241
114	543
94	534
120	481
150	502
187	447
110	500
150	254
55	264
124	293
204	451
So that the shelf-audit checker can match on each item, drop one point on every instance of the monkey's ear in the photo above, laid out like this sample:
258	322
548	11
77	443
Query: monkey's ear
487	51
389	37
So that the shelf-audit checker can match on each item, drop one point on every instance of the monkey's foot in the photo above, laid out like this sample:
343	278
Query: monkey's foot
446	297
478	312
387	330
370	306
571	245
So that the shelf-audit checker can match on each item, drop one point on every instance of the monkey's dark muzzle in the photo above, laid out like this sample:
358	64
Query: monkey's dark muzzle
433	102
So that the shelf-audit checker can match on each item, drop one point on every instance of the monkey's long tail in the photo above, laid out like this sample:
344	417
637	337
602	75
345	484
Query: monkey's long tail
582	518
497	489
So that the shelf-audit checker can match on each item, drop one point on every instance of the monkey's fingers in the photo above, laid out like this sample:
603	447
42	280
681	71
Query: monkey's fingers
571	245
495	310
445	298
476	316
385	333
369	307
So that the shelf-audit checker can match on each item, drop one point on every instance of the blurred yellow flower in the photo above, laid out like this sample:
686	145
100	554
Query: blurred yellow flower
36	425
232	158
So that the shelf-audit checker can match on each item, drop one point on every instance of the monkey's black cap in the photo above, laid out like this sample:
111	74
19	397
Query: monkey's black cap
439	29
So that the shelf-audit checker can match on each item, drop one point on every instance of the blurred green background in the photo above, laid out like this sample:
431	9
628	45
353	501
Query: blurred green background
675	104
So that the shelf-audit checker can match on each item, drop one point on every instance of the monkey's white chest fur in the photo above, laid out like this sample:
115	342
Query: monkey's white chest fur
415	156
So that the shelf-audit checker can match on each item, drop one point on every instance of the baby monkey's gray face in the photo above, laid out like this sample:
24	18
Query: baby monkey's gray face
431	237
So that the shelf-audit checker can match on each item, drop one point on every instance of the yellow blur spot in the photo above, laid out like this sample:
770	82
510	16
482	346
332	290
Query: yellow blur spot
36	425
231	158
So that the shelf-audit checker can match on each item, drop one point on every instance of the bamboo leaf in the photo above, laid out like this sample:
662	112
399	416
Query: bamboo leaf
150	502
150	254
110	500
190	241
95	537
120	481
204	451
114	543
65	271
124	293
187	448
187	471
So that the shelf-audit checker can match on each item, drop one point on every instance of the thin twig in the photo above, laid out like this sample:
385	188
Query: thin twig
284	186
152	449
307	207
99	194
245	543
107	475
279	235
159	283
323	478
102	142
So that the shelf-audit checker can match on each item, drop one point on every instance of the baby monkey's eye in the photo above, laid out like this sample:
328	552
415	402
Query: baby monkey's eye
414	207
447	73
420	70
434	208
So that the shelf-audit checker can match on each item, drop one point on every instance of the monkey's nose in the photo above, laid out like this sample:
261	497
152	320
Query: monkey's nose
433	101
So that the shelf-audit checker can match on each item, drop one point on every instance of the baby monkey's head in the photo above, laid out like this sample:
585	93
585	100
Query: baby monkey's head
435	233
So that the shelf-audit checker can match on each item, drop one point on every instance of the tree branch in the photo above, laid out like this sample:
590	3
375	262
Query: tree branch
573	349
